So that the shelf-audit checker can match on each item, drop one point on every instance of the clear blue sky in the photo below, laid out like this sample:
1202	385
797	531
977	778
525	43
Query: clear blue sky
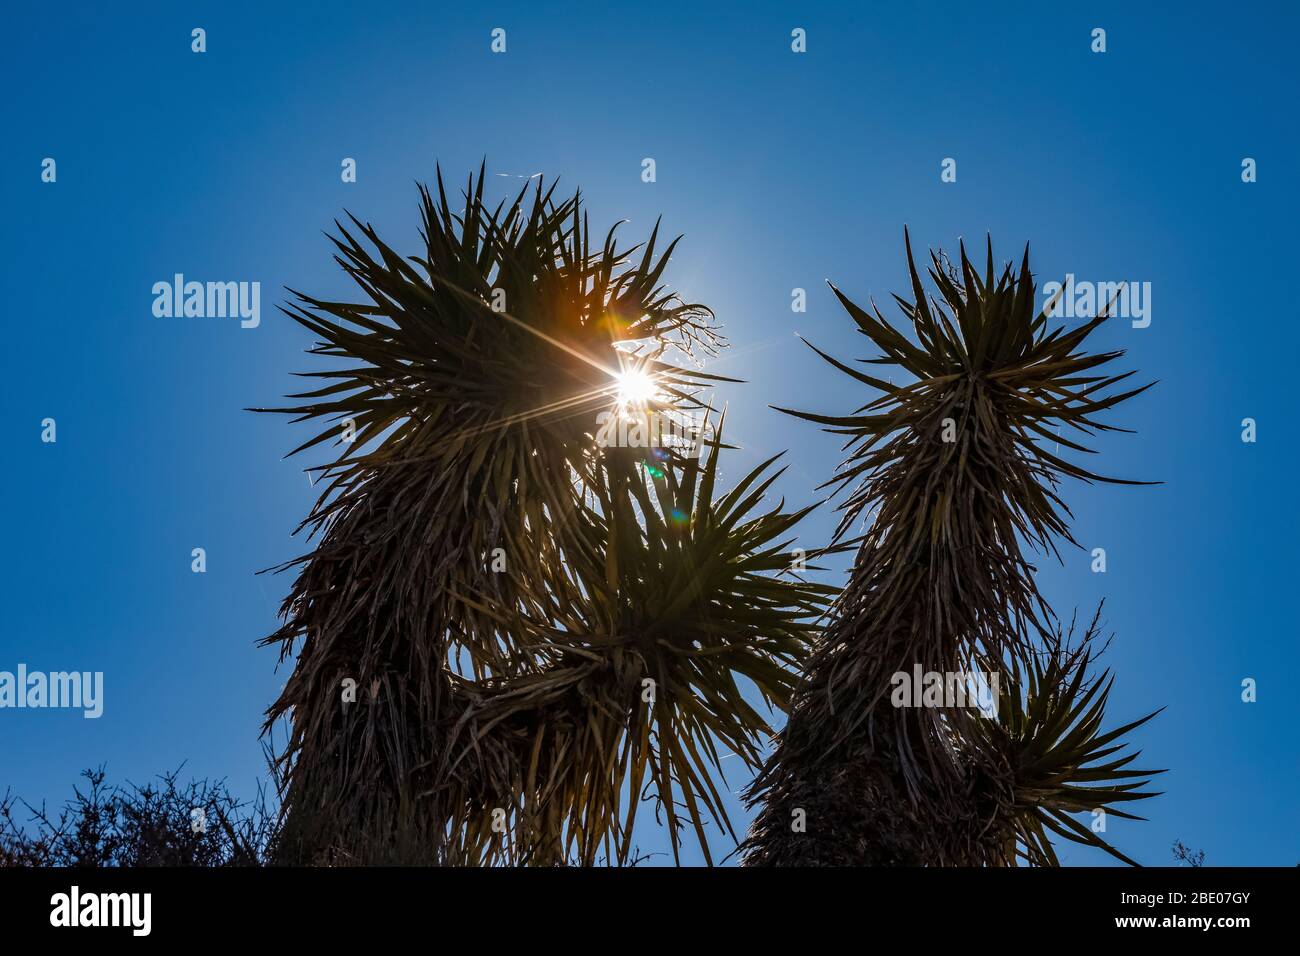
782	170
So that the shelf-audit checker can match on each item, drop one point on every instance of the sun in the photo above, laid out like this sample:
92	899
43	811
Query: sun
636	387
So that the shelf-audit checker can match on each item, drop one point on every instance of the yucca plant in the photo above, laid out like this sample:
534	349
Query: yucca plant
952	470
1048	732
491	581
684	605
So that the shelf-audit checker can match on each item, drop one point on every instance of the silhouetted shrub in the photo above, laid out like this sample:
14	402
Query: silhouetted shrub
162	824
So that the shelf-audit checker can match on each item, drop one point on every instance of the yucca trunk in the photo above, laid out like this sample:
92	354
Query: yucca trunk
369	697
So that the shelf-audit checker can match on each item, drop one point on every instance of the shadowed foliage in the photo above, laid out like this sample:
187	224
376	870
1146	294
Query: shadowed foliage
952	470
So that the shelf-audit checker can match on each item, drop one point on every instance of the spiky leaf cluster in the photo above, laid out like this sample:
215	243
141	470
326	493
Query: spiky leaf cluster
685	622
1049	732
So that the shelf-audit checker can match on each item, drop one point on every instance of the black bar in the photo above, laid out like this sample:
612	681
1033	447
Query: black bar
645	907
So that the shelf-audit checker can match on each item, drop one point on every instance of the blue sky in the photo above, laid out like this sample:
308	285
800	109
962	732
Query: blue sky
782	170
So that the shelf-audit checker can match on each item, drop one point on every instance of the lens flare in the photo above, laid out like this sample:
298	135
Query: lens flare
636	387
